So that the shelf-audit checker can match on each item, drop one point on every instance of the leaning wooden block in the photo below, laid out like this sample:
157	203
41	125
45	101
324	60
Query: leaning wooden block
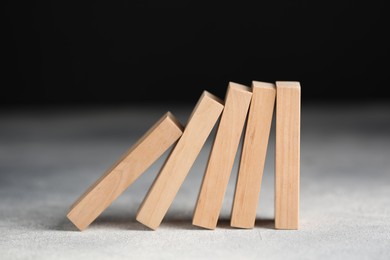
142	154
253	155
177	166
222	156
287	160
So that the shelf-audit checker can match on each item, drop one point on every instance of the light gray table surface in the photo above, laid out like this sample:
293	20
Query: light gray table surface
49	157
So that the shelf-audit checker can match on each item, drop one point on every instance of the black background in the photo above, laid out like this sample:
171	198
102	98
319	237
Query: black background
63	53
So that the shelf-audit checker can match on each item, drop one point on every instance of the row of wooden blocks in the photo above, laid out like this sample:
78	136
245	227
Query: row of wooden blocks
254	105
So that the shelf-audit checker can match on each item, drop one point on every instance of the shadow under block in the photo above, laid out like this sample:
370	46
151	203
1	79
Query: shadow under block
253	155
222	156
180	161
287	158
106	189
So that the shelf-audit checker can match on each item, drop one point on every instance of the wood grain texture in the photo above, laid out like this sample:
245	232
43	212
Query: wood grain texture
106	189
287	159
222	156
253	155
180	161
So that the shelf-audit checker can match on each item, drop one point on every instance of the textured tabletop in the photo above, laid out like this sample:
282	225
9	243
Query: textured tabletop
49	157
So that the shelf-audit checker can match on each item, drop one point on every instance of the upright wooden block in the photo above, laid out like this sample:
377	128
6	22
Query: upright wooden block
253	155
177	166
287	160
222	156
141	155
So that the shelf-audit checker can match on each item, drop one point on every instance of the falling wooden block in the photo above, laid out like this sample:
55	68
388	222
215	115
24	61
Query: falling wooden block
178	164
222	156
142	154
253	155
287	159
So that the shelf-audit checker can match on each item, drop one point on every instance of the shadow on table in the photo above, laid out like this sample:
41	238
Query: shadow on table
261	223
114	221
126	222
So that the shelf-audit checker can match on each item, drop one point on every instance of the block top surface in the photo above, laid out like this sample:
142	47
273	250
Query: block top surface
288	84
173	120
211	96
260	84
239	87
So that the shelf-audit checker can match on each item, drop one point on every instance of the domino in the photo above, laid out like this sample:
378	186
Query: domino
287	159
141	155
180	161
222	156
253	155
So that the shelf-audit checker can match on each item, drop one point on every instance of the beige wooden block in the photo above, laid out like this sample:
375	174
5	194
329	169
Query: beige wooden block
106	189
253	155
287	159
222	156
177	166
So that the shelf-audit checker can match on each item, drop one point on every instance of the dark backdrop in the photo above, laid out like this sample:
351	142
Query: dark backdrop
58	52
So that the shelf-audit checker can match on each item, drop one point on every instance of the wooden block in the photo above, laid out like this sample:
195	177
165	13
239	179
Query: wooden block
287	160
253	155
177	166
141	155
222	156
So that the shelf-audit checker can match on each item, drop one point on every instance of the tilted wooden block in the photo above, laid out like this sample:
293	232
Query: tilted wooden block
222	156
142	154
178	164
287	159
253	155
